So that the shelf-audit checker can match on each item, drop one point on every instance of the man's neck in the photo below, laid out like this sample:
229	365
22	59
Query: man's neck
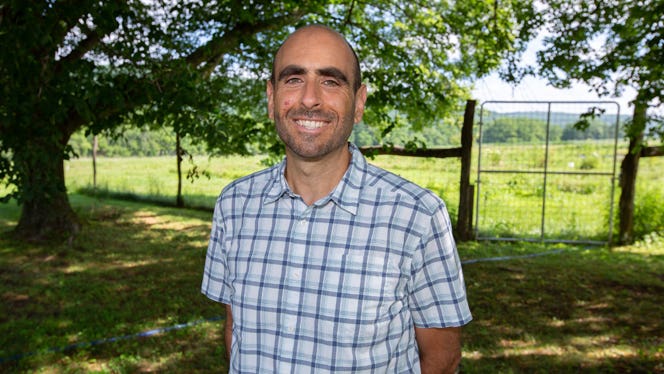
313	180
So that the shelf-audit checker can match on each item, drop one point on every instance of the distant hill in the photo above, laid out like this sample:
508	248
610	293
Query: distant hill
556	118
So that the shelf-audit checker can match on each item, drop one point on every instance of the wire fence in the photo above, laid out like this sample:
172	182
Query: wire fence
546	171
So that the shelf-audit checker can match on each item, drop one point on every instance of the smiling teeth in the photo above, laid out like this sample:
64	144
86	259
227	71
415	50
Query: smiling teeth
310	125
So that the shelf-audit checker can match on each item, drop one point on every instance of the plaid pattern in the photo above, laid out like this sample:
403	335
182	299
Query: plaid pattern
337	286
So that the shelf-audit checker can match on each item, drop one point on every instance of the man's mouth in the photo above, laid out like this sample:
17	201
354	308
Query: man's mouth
309	124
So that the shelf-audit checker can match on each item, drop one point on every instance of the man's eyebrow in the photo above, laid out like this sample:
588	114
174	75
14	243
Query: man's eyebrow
291	70
334	73
324	72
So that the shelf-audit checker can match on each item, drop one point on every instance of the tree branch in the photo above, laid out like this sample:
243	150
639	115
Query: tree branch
652	151
93	38
349	16
400	151
211	53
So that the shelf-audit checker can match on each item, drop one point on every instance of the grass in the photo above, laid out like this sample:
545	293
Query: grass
156	176
133	268
584	310
577	206
136	267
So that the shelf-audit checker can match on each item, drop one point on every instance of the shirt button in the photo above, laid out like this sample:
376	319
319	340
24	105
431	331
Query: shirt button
296	274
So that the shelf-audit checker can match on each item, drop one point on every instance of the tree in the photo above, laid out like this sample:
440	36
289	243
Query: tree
514	130
608	45
89	64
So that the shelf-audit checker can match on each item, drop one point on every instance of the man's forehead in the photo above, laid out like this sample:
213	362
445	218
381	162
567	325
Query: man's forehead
312	37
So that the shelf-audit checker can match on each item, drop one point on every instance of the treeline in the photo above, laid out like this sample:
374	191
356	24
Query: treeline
133	142
161	142
524	130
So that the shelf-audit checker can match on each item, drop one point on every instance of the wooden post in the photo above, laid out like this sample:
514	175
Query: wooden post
466	191
179	201
95	146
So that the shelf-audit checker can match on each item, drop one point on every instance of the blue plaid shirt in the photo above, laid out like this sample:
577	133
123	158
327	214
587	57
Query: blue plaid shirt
337	286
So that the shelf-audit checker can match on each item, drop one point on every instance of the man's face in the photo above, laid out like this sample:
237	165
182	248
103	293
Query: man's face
312	100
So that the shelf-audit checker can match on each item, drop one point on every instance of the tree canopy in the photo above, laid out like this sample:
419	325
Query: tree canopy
200	66
609	45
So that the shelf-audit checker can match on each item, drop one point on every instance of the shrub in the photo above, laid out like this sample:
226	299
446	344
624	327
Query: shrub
589	163
648	212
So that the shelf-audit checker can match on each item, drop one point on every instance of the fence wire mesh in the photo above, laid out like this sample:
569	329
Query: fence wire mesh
546	171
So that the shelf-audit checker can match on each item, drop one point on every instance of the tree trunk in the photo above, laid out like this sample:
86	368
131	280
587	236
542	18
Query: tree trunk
628	172
179	201
466	190
46	213
95	146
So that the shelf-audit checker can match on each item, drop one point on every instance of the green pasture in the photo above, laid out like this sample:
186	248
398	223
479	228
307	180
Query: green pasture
577	205
136	267
156	177
562	191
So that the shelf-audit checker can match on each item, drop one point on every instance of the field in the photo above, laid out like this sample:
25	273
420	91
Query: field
579	186
123	298
562	191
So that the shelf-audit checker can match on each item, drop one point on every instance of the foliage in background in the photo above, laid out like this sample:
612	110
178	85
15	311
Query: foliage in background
199	67
609	45
140	142
648	212
161	141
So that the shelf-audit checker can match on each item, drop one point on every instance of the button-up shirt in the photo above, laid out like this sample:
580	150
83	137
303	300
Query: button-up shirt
336	286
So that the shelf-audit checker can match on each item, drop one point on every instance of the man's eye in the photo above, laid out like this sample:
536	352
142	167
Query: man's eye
330	82
293	80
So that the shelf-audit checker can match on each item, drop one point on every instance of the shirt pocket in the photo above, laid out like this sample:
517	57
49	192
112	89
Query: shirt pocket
363	295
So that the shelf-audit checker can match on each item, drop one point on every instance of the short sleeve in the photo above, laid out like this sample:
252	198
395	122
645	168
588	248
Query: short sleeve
215	273
438	296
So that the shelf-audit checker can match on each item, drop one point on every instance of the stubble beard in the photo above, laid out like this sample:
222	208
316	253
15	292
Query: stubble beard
313	146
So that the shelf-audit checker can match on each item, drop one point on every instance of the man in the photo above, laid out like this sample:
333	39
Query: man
324	262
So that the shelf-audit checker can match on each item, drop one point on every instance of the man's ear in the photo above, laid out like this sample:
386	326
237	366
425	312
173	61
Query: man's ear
270	99
360	99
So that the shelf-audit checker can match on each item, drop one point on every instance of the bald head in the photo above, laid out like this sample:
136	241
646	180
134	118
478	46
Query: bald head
309	34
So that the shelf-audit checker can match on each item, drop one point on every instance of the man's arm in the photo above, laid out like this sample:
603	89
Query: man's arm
440	349
228	332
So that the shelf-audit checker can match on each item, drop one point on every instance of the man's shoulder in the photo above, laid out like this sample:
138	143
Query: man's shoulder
252	183
401	189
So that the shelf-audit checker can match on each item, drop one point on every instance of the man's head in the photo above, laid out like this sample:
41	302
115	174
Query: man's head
315	95
357	77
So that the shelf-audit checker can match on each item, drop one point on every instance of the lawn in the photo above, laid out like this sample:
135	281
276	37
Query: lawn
137	267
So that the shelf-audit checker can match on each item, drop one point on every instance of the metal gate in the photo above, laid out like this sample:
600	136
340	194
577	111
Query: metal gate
540	178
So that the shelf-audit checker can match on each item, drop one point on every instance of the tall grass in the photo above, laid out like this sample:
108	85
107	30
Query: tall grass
577	206
649	200
156	177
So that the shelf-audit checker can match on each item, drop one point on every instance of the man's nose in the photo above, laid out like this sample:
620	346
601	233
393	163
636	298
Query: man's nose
311	96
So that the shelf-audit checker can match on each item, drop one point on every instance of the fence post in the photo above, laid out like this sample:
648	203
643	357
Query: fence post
466	190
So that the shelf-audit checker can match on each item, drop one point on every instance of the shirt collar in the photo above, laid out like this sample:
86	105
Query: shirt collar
346	194
279	186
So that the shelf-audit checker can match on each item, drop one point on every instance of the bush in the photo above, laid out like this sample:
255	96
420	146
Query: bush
589	163
648	213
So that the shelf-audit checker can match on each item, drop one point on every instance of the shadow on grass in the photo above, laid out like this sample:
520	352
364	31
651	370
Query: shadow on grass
133	268
593	311
137	267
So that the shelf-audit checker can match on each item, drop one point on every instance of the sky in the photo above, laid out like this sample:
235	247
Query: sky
534	89
537	89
